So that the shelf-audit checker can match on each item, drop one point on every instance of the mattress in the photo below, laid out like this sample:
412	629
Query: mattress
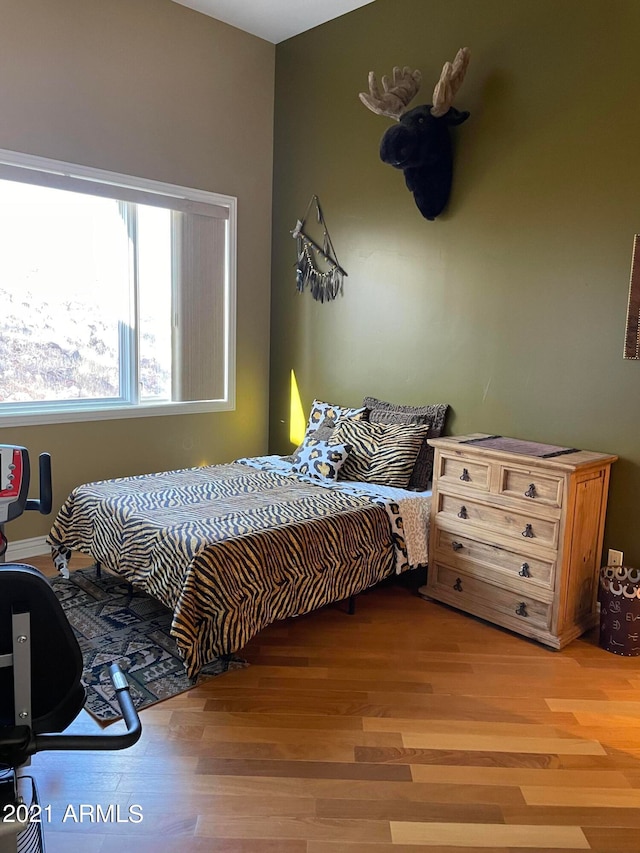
231	548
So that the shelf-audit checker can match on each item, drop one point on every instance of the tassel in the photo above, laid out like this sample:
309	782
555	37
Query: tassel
323	286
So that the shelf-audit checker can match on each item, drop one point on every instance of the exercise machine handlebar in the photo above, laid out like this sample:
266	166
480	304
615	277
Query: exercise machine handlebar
44	503
101	742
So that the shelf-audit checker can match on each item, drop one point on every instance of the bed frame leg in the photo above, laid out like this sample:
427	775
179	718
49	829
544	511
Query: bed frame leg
352	605
130	588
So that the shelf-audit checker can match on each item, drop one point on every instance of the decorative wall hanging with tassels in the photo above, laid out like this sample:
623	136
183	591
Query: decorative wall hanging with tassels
326	284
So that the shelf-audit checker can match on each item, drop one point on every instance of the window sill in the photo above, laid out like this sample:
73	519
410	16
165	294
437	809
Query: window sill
116	412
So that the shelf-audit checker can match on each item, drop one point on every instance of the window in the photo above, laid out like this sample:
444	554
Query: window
117	295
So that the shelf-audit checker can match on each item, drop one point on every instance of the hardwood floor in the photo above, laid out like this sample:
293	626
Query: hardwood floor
408	726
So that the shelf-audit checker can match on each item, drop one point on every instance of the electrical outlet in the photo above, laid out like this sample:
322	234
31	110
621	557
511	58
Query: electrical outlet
615	558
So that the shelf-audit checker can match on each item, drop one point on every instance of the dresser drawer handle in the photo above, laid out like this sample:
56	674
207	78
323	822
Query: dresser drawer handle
521	609
524	571
531	491
463	512
458	585
528	532
465	475
457	546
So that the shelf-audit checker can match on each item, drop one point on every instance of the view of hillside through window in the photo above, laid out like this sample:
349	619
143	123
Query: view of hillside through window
68	301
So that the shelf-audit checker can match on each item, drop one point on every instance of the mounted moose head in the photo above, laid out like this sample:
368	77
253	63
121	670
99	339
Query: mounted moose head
420	144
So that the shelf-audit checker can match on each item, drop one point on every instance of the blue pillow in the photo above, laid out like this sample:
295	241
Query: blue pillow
321	410
319	459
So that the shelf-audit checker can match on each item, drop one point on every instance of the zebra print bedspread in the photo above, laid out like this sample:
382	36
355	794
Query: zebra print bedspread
230	548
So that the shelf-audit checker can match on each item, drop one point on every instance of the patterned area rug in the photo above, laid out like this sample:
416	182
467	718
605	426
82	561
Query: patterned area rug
115	626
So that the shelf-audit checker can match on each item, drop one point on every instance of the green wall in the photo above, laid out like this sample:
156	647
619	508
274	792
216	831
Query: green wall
152	89
511	306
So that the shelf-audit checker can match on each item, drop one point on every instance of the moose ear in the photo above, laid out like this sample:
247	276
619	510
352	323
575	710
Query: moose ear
455	117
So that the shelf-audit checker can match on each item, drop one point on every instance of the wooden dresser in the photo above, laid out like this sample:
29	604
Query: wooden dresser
516	538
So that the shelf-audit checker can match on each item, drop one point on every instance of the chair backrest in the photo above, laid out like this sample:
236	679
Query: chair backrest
57	694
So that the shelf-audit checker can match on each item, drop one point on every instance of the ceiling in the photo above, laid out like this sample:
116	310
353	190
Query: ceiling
274	20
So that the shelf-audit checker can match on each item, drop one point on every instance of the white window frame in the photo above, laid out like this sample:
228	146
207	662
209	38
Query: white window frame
63	175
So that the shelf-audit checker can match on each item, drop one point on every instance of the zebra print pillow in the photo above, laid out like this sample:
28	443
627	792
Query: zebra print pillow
434	414
380	453
319	459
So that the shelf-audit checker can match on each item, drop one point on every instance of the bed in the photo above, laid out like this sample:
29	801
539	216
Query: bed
232	548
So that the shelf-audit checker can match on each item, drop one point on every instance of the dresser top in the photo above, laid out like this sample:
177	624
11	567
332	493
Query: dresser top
521	451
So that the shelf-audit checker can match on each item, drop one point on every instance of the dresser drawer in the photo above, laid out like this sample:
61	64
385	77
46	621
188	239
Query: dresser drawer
534	487
488	600
458	550
464	472
516	524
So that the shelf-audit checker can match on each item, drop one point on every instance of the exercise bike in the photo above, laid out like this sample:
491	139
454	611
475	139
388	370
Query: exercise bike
15	473
41	691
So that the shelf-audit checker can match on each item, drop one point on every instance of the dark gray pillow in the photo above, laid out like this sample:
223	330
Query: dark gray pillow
434	414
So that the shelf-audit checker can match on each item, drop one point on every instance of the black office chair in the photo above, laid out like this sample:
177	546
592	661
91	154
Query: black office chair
41	693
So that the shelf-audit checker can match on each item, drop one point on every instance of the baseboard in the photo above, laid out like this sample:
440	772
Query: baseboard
25	548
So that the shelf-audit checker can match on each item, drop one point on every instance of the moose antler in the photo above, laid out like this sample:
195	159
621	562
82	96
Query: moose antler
449	82
395	99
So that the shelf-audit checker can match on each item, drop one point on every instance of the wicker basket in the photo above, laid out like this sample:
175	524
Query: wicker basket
619	596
